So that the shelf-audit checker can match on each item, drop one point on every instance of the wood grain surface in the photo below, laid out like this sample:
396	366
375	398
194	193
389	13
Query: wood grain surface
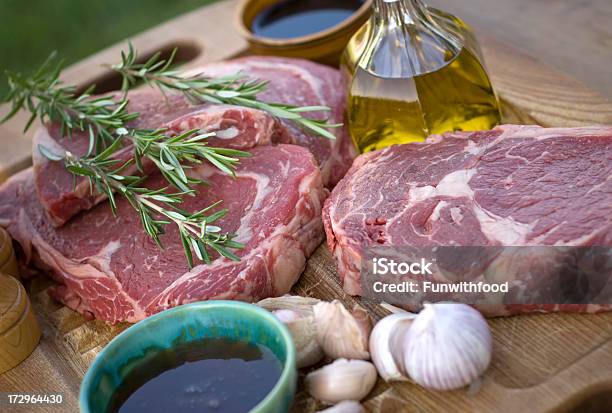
204	35
574	36
19	331
541	363
8	261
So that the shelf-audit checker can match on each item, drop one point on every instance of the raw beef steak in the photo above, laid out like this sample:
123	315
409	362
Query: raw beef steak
108	268
302	83
292	81
238	128
511	186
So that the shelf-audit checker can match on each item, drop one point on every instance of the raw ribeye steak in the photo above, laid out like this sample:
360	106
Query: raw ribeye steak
511	186
237	128
108	268
292	81
301	82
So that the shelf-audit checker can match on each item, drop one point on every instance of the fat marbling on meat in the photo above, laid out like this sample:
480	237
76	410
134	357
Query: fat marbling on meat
107	267
510	186
290	81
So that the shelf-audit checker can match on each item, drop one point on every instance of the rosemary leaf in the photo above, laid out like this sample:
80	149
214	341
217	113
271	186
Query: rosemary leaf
105	120
232	90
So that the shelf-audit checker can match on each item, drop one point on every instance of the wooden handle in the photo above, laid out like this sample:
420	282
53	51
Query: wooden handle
8	262
19	330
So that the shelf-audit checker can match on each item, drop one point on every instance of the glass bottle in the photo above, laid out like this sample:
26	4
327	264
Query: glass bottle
412	71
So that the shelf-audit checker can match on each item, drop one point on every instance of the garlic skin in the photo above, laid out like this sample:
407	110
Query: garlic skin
342	380
347	406
299	304
385	342
287	316
447	347
340	333
307	349
296	313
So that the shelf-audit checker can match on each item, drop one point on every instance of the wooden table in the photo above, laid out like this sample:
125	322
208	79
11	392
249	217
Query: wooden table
541	363
574	36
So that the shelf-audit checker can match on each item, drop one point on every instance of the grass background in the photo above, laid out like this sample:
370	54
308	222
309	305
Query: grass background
31	29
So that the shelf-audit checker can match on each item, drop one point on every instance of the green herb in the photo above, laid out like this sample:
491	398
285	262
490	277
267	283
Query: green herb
104	119
170	154
156	208
48	99
232	90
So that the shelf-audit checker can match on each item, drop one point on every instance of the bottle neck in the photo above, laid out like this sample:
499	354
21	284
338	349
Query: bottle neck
410	40
406	11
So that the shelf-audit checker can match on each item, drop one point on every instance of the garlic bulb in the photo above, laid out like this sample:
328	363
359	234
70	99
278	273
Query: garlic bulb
342	334
385	342
296	313
342	380
347	406
447	346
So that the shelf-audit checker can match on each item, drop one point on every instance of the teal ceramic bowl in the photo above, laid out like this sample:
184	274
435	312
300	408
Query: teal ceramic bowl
184	324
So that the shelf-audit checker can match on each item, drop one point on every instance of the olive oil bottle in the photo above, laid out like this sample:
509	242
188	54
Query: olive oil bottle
413	71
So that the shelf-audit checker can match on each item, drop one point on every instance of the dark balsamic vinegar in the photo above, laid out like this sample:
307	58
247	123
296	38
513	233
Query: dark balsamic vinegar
214	375
294	18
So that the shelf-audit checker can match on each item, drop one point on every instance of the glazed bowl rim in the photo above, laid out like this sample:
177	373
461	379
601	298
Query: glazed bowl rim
289	364
340	27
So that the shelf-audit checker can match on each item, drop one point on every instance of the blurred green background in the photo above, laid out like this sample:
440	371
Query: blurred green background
31	29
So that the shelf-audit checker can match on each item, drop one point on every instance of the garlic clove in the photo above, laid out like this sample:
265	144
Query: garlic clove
447	347
342	380
308	350
385	342
347	406
303	332
296	313
340	333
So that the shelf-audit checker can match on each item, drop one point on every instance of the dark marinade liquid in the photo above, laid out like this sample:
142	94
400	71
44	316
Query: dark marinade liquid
214	375
295	18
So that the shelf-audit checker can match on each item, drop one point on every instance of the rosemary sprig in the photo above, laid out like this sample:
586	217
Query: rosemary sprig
48	99
232	90
171	154
156	208
105	119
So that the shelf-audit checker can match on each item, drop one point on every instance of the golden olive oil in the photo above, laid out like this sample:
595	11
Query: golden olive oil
406	83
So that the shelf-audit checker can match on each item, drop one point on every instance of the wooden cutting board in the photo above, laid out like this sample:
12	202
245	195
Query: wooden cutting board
541	363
